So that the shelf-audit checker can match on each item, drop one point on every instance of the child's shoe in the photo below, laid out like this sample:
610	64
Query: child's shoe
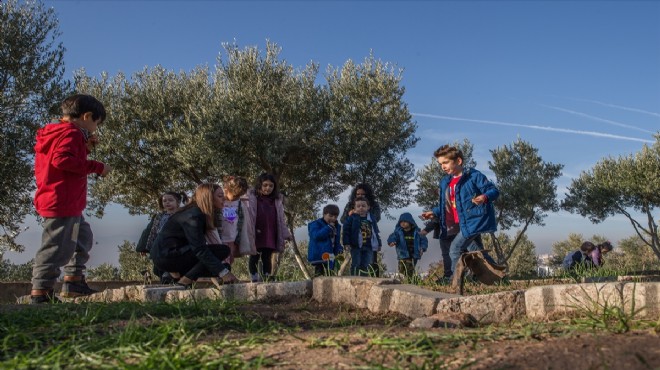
43	296
75	286
256	278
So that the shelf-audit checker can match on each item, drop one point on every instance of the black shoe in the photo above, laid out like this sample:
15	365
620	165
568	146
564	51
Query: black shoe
45	298
72	289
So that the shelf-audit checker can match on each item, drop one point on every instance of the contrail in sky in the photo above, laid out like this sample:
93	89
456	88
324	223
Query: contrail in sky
535	127
597	118
618	106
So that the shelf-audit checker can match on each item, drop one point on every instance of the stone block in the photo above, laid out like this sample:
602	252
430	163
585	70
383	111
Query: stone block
353	290
542	302
232	292
294	289
488	308
409	300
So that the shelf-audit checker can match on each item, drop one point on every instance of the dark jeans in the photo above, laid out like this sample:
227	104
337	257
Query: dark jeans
407	267
446	260
265	255
322	269
188	265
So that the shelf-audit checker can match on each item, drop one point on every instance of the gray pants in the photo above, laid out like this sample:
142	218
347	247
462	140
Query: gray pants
66	241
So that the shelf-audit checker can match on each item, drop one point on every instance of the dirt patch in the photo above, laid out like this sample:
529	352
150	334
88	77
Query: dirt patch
338	336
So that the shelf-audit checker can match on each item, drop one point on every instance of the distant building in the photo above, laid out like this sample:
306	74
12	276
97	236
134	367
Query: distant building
544	265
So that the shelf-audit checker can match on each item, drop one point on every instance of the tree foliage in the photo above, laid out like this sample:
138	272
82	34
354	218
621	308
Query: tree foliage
31	86
254	113
103	272
527	189
132	265
15	272
632	255
622	186
523	261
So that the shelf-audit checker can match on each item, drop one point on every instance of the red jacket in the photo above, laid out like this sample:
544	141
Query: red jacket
61	168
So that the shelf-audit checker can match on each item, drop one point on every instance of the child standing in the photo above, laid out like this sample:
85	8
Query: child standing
364	190
270	229
324	241
410	244
168	204
466	204
61	168
361	237
237	228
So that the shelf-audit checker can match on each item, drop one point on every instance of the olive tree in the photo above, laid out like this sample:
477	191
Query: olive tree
31	86
254	113
527	190
628	186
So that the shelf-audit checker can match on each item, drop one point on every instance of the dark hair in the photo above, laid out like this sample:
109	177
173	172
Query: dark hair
180	198
331	209
605	245
369	194
587	247
267	177
450	152
76	105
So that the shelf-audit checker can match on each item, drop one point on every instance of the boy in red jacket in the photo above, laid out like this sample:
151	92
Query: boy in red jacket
61	168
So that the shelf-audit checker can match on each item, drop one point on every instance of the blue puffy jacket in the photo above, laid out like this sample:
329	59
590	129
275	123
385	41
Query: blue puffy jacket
419	246
320	240
473	219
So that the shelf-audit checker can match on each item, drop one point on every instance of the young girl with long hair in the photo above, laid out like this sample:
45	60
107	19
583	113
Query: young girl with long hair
271	232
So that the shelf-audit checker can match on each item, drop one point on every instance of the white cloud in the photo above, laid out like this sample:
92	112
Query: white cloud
535	127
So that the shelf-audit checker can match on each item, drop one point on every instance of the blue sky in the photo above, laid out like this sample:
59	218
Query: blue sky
578	80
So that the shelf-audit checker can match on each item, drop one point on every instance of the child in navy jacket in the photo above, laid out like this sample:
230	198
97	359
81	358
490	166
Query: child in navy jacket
409	242
324	241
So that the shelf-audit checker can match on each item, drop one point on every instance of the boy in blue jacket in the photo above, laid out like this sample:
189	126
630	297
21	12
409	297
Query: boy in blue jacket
466	204
324	241
361	237
410	244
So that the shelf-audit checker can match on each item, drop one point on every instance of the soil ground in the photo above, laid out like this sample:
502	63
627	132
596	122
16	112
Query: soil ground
377	340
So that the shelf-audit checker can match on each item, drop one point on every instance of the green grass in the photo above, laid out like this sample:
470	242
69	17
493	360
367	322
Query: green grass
216	335
129	335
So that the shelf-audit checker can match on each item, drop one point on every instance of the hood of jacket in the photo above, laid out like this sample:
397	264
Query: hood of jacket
406	216
49	135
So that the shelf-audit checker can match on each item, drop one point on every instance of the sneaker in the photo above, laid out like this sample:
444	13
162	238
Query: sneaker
72	289
49	297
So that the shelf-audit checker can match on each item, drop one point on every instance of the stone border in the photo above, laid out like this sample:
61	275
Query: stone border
388	295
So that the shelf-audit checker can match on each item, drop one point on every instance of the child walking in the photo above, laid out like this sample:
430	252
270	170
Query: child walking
270	229
169	203
61	168
361	237
466	204
324	241
410	244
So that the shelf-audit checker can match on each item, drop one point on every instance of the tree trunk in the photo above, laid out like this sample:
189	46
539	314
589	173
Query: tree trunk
346	264
296	253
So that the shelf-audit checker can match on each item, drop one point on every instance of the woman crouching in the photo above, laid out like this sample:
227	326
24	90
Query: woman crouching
181	247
